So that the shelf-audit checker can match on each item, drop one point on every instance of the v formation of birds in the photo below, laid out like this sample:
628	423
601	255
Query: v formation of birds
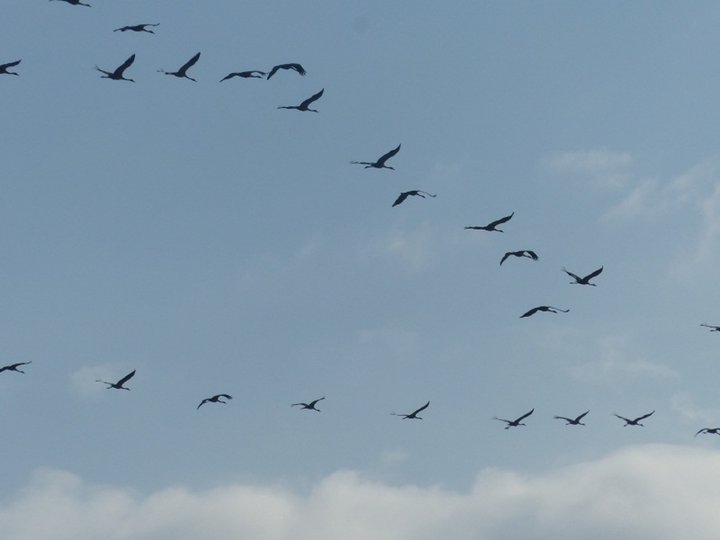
118	74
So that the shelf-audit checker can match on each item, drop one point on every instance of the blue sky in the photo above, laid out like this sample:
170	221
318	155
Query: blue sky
216	244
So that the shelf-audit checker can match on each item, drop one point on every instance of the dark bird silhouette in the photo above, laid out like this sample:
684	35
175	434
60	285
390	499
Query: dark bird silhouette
117	75
413	415
572	421
304	106
14	367
711	327
182	72
215	399
309	406
415	193
583	280
119	385
75	3
634	421
296	67
493	225
4	68
137	28
517	422
522	253
380	163
549	309
254	74
709	430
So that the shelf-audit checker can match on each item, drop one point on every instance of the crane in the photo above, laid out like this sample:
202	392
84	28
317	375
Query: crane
634	421
4	68
14	367
583	280
217	398
182	72
572	421
380	163
549	309
119	385
295	67
492	226
253	74
118	74
522	253
517	422
137	28
309	406
305	105
415	192
413	415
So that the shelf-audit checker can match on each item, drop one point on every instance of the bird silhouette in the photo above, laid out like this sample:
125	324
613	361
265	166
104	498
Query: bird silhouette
118	74
709	431
572	421
254	74
309	406
415	192
182	72
517	422
493	225
549	309
4	68
583	280
522	253
380	163
14	367
634	421
304	106
137	28
413	415
296	67
119	385
74	2
215	399
711	327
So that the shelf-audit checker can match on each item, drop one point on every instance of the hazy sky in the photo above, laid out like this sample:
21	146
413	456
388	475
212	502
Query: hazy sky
195	233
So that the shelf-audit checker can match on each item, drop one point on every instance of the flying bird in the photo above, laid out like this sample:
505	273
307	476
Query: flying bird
380	163
137	28
572	421
304	106
415	193
309	406
549	309
492	226
117	75
215	399
413	415
4	68
522	253
583	280
75	2
517	422
14	367
711	327
634	421
708	430
119	385
254	74
182	72
296	67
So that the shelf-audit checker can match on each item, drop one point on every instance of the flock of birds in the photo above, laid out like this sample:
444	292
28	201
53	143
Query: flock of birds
118	74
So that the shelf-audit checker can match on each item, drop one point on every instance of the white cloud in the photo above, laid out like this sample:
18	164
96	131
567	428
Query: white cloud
606	168
684	404
652	491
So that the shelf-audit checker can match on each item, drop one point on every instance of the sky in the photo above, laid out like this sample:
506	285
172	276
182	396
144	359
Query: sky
195	233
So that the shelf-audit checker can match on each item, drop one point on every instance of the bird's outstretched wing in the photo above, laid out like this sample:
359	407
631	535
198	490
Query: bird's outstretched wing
388	155
574	276
525	415
126	378
312	98
421	409
504	257
500	221
530	312
581	416
203	402
703	430
593	274
644	416
10	64
401	198
563	418
622	418
296	67
190	63
126	64
226	396
532	254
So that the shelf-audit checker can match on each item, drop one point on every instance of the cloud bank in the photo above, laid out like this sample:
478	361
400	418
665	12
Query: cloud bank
650	491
